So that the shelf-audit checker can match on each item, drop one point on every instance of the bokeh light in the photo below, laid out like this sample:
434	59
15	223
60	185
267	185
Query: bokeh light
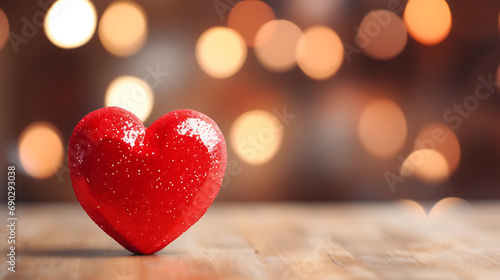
247	17
446	207
221	52
70	23
382	35
428	165
276	45
4	29
320	52
440	137
428	21
413	208
40	150
132	94
256	136
123	28
382	128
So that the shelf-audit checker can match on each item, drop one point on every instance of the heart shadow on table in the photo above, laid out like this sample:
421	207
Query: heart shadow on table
86	253
80	253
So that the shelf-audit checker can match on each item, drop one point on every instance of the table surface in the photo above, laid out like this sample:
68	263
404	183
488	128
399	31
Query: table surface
392	240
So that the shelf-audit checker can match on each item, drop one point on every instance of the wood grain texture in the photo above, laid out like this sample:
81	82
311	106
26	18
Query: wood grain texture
271	241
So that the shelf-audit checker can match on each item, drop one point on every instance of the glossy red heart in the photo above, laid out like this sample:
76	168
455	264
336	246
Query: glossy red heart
145	187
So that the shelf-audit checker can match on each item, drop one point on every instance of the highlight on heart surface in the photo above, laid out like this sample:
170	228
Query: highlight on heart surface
146	186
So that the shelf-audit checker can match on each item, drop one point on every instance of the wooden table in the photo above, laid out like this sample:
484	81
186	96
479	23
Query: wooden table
271	241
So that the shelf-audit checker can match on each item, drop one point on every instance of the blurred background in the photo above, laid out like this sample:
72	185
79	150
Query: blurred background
317	99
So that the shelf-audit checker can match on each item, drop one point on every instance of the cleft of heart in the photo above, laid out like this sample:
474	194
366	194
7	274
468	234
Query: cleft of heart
146	186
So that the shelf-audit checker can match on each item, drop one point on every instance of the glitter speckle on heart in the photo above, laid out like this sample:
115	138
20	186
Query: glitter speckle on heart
200	129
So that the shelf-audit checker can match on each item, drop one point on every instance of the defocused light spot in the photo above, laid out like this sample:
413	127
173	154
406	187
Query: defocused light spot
320	52
382	35
439	137
70	23
40	150
428	165
382	128
247	17
4	29
123	28
221	52
414	208
428	21
132	94
276	45
445	207
256	136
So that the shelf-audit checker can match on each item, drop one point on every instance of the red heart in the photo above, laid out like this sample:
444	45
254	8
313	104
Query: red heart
145	187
